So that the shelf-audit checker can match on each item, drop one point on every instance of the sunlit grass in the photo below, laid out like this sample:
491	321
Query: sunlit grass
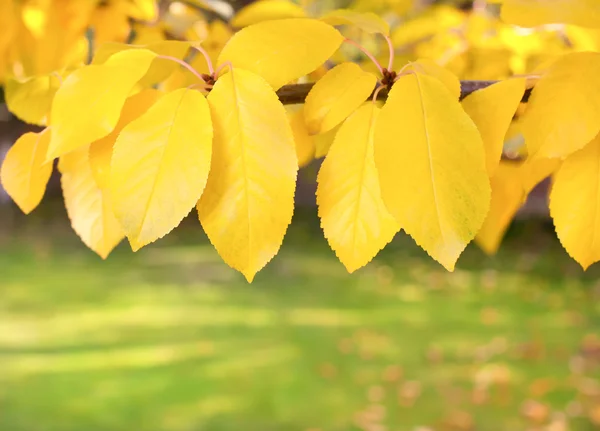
170	338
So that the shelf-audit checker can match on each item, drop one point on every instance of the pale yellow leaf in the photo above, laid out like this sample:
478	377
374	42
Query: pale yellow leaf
563	113
88	104
431	68
265	10
366	21
305	144
532	13
534	171
144	10
102	149
575	204
160	68
160	165
91	216
324	141
24	173
336	95
507	197
353	216
249	199
431	165
492	109
282	50
30	99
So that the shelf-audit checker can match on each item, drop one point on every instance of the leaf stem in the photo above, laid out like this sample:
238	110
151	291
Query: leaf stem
223	66
202	51
366	52
376	92
184	64
391	49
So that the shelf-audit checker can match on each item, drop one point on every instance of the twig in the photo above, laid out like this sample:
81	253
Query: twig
296	93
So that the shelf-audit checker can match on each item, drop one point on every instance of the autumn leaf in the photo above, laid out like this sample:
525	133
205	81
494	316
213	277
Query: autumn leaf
102	149
103	91
431	68
266	10
532	13
160	68
160	165
563	113
507	197
431	165
24	173
534	171
492	110
30	99
283	50
353	216
336	95
366	21
305	144
324	141
249	199
575	202
91	216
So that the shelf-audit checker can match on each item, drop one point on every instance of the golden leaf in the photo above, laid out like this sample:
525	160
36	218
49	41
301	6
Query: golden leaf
102	90
249	199
25	174
335	96
507	197
431	165
91	216
575	204
283	50
353	216
492	109
160	165
265	10
563	113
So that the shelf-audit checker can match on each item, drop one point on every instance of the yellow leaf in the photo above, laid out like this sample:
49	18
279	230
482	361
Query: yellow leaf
532	13
91	216
534	171
160	68
507	197
366	21
30	99
431	68
563	112
324	141
110	22
102	149
492	109
305	144
431	166
102	90
249	199
160	165
335	96
265	10
144	10
282	50
24	174
353	216
574	204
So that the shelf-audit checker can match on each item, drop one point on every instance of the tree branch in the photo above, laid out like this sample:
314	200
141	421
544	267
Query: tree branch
296	93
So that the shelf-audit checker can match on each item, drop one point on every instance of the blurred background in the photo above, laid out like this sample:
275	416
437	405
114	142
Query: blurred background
170	338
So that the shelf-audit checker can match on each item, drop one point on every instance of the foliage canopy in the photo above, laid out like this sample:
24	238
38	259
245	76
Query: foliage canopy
153	110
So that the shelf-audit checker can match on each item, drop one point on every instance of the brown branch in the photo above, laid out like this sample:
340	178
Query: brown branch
296	93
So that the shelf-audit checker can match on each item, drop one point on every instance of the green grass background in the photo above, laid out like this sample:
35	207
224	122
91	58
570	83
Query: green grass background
170	338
